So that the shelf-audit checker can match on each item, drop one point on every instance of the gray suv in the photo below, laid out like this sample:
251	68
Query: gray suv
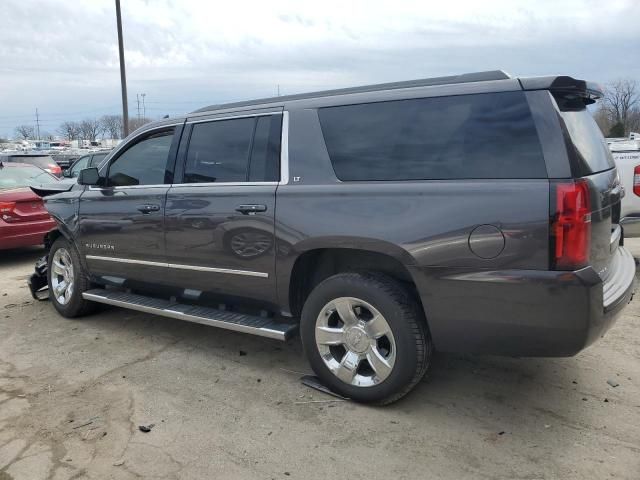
475	213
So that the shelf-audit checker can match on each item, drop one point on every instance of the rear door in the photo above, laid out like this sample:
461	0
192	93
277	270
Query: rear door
220	212
121	225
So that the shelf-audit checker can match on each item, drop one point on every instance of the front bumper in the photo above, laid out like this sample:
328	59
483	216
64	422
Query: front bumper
38	282
523	312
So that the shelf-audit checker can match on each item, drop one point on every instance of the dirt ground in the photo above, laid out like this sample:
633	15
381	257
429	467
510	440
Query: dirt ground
230	406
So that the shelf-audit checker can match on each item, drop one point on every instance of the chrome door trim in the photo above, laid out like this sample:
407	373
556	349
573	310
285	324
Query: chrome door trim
179	266
223	184
284	149
232	117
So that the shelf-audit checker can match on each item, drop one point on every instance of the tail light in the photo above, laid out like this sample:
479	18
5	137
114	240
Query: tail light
636	180
571	225
15	212
7	212
54	169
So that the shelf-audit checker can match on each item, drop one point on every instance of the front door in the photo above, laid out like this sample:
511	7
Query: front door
121	225
219	218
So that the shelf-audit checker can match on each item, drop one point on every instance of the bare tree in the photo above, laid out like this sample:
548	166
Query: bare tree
603	119
69	130
89	129
620	98
111	125
25	132
135	123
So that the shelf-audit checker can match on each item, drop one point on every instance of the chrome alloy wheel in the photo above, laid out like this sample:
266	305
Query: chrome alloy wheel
355	342
62	276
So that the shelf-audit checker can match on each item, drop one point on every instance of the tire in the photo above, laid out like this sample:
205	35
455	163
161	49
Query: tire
365	360
69	304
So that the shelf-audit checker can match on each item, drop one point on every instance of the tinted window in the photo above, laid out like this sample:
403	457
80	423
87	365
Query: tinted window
96	159
239	150
81	163
265	152
143	163
590	153
466	136
219	151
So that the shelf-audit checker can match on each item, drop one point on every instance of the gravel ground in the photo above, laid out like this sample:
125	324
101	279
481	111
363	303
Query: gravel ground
230	406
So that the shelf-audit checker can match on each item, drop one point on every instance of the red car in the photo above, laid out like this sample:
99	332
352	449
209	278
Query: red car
23	218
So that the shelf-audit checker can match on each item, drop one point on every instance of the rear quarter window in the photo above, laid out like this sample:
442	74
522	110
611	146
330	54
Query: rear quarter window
587	148
459	137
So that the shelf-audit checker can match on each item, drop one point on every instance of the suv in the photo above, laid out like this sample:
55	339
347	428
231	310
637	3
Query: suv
474	213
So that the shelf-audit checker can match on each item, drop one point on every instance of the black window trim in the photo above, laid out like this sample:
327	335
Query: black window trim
178	182
177	131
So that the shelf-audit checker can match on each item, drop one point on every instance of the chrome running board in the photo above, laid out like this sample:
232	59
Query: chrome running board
239	322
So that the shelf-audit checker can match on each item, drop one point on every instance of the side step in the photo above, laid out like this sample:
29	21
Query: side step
239	322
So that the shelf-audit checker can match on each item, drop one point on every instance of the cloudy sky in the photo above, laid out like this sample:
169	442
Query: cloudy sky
61	56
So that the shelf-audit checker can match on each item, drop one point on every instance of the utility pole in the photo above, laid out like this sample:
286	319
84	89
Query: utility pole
123	76
37	125
144	108
138	102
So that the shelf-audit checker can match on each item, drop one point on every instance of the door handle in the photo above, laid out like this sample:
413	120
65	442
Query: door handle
250	209
149	208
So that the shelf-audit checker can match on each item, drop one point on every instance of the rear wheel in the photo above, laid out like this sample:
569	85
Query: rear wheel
67	280
365	337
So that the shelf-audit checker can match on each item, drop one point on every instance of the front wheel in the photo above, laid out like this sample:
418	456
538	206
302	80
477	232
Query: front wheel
365	337
67	280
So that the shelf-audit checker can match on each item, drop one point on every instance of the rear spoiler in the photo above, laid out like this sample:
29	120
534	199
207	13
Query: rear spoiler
563	86
51	189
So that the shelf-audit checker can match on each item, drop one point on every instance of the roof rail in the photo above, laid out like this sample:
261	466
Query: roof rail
424	82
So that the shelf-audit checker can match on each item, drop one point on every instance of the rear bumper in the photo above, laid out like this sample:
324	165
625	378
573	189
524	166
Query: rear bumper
631	225
523	312
14	235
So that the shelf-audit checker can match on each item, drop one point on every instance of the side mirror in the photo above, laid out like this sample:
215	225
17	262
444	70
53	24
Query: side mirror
66	173
89	176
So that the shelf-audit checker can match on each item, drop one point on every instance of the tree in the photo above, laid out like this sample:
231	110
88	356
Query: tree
621	98
135	123
46	136
69	130
111	125
89	129
617	130
25	132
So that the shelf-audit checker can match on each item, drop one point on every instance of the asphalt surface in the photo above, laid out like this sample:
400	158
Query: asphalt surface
223	405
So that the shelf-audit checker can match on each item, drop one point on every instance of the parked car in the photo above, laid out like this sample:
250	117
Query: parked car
23	219
91	160
45	162
626	155
475	213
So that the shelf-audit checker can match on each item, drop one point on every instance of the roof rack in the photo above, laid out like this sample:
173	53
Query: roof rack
424	82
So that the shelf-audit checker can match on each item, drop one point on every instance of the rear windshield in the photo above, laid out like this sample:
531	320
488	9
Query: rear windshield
489	135
24	176
588	149
42	161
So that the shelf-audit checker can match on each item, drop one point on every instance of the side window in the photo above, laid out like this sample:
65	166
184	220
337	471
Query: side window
237	150
81	163
264	165
466	136
144	163
96	159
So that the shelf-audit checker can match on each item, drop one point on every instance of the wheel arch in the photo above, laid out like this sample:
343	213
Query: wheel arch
313	265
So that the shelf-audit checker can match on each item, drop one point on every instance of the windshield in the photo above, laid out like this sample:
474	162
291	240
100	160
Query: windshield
24	176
